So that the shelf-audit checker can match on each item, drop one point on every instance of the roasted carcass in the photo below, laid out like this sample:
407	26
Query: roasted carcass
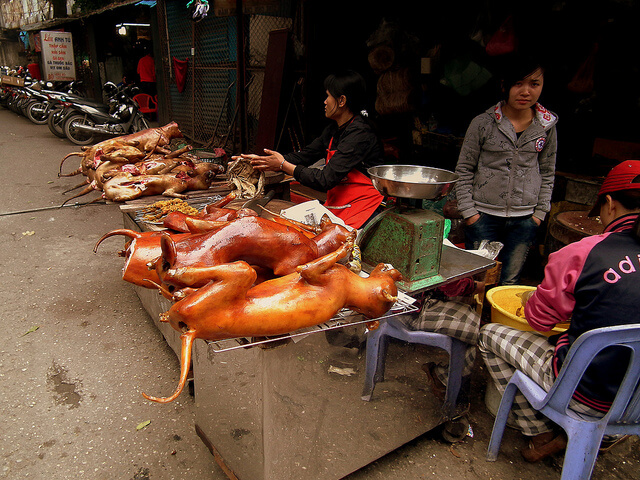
258	241
130	166
230	305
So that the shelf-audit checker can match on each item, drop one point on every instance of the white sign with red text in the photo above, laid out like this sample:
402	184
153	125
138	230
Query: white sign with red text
57	55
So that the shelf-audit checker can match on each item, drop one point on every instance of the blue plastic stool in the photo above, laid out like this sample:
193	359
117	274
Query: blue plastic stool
584	432
377	342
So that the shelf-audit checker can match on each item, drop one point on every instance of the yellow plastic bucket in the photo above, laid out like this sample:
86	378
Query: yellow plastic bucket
505	302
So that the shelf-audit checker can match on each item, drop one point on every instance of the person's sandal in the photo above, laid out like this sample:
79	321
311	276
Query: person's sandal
438	389
608	442
544	445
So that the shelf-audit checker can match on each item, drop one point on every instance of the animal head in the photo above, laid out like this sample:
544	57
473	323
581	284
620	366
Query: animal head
381	286
171	130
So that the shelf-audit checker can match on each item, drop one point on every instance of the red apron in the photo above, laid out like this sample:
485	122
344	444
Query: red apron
354	199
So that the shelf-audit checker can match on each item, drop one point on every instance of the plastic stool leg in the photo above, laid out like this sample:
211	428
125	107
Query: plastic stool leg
454	378
376	352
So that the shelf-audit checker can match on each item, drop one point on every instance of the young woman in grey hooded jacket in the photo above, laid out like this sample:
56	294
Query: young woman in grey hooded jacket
507	168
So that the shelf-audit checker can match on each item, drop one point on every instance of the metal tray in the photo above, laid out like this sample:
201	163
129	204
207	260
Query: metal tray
198	203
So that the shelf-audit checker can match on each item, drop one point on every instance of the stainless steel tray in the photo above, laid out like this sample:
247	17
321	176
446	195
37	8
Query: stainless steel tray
198	203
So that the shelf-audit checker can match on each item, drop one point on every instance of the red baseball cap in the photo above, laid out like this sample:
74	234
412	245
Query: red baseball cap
624	176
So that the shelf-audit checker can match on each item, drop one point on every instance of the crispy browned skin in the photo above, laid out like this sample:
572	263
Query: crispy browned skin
124	186
230	306
331	236
142	249
252	239
202	223
258	241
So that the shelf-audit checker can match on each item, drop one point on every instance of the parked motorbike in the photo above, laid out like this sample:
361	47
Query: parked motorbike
18	97
85	122
62	107
45	98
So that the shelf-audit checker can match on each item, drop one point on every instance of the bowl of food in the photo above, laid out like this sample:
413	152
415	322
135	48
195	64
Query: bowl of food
506	308
412	181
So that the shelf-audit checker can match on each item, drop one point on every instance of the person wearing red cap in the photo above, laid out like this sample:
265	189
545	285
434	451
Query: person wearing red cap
592	283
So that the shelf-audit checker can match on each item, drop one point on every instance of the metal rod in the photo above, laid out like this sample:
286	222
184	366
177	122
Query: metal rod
40	209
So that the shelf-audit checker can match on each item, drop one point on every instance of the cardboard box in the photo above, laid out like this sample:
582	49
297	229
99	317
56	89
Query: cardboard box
13	81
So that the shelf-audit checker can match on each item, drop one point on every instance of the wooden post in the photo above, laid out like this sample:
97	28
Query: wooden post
240	72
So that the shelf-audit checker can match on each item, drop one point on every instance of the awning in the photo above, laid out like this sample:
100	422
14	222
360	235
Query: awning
72	18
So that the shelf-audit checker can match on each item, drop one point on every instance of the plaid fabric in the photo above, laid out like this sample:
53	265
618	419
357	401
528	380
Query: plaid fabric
505	349
454	317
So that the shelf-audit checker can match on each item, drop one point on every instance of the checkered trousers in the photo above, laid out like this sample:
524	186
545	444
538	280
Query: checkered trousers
505	350
454	317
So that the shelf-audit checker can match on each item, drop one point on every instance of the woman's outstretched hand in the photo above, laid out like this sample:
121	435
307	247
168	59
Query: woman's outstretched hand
272	161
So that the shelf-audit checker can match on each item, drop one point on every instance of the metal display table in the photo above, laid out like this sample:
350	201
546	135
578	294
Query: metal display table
294	411
290	408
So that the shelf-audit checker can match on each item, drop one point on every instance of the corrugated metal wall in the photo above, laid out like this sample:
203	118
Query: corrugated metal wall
206	110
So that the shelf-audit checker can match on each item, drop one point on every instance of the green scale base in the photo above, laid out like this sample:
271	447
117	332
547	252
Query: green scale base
410	240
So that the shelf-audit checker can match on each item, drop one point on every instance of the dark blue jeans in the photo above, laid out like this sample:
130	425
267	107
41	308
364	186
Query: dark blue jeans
517	234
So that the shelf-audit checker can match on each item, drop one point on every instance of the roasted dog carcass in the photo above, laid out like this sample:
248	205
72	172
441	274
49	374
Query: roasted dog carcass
130	166
256	240
229	305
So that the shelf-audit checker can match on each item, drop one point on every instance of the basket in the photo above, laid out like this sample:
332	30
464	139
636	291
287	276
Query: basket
504	302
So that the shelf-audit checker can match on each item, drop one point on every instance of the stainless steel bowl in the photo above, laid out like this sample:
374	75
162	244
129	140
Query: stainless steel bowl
411	181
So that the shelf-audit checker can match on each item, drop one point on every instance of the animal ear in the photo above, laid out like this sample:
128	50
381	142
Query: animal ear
325	221
169	253
383	269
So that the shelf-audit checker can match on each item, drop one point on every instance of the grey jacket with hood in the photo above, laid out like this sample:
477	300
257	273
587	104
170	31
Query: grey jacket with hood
503	175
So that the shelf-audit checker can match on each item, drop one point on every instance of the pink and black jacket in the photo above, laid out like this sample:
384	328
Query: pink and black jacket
593	283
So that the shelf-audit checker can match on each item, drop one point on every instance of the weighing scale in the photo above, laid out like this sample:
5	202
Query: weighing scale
405	235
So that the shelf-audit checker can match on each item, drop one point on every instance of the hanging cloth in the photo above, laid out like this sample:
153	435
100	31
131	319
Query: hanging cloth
582	81
180	68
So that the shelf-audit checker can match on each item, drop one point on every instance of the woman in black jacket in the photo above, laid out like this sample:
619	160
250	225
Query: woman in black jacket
348	146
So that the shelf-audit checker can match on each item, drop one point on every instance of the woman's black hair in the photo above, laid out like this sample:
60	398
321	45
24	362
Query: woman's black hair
516	68
350	84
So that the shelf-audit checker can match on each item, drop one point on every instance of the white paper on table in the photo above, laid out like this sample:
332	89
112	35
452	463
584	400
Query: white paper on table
311	213
483	252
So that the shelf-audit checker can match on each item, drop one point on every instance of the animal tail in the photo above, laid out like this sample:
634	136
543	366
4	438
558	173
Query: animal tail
79	154
85	182
187	343
89	189
120	231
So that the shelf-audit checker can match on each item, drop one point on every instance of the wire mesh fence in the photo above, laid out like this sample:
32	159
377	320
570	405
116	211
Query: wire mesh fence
204	100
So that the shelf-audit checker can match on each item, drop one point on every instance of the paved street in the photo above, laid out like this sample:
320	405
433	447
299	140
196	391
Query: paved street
77	349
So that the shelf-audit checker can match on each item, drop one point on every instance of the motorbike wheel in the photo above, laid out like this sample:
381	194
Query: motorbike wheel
13	105
36	112
24	105
77	136
56	124
140	123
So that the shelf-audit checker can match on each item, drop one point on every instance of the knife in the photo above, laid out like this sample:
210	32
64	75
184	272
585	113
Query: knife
262	201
